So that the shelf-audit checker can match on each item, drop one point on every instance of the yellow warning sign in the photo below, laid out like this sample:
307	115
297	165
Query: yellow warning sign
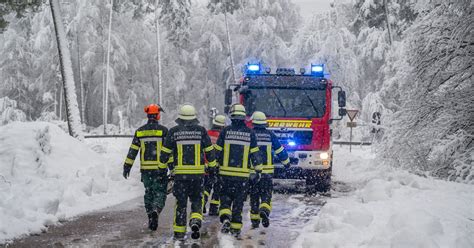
289	123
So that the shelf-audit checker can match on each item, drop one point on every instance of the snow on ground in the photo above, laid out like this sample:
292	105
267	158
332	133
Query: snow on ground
390	208
47	176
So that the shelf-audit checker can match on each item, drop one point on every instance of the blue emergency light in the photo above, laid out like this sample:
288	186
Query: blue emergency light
317	70
291	143
253	68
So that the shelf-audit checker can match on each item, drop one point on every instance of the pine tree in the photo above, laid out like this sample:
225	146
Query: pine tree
175	16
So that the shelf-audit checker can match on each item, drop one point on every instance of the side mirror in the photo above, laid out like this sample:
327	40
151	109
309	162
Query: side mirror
342	112
341	100
228	97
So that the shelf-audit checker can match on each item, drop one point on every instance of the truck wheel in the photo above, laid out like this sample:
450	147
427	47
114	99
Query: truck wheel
324	184
320	182
310	185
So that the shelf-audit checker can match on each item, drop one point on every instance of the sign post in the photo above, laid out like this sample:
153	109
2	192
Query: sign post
351	113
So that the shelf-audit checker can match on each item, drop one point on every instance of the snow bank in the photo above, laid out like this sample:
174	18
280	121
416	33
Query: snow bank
390	208
47	176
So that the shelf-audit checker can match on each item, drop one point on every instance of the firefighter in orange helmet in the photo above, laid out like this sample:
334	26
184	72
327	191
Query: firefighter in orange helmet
148	141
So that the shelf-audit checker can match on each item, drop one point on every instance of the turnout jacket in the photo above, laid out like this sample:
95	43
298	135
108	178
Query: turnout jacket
236	145
188	143
268	142
148	140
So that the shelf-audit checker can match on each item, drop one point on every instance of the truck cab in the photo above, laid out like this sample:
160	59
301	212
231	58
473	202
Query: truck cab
299	112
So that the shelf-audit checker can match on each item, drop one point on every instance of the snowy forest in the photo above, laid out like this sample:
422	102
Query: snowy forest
412	61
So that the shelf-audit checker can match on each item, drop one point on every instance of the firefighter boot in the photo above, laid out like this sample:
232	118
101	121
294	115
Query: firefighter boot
265	219
153	221
235	232
255	224
149	221
179	236
213	210
225	226
195	226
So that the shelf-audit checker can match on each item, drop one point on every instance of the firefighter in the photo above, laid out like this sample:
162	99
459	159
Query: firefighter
187	143
261	192
235	146
212	182
148	141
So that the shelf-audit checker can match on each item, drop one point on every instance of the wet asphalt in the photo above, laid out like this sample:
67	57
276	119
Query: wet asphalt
125	225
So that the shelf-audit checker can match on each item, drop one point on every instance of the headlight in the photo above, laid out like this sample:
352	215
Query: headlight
324	155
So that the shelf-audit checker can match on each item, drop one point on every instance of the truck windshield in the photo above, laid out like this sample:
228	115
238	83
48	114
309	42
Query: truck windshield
278	102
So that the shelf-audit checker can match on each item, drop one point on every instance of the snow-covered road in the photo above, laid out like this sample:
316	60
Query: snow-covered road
51	178
125	225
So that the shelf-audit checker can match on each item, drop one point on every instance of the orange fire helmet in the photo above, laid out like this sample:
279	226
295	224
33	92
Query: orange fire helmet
153	109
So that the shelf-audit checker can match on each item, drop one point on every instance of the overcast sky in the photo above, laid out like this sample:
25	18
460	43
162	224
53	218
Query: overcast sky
307	7
310	7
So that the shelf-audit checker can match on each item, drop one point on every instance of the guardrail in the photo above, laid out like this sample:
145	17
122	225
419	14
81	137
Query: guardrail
346	143
108	136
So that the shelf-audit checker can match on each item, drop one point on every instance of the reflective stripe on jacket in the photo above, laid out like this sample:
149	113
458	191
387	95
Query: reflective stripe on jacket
188	143
148	140
268	144
235	146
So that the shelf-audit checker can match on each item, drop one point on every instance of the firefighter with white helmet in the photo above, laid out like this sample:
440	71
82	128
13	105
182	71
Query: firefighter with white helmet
189	144
236	147
261	191
211	183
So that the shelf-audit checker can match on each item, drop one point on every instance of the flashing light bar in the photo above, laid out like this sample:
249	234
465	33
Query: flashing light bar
317	70
253	68
291	143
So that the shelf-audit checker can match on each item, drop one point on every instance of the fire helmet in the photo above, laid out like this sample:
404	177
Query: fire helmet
187	112
259	118
219	120
237	111
153	109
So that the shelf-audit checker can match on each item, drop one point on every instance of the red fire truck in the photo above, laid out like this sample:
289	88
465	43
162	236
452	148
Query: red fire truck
299	111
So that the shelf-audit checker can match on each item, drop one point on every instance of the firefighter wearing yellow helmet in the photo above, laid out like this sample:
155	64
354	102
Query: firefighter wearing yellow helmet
188	143
148	139
236	147
261	191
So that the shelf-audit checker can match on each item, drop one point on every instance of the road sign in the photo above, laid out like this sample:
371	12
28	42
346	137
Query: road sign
352	124
351	113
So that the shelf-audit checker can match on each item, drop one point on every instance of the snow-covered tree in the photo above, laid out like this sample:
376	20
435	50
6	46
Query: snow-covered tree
72	109
9	111
175	16
433	130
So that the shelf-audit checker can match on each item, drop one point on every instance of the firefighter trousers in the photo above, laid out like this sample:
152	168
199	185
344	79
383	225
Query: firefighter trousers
260	198
211	184
155	191
182	190
233	194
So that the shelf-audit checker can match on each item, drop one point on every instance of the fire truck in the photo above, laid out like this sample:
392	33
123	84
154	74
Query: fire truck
299	111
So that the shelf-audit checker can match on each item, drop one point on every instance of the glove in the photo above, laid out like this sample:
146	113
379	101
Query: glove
255	177
287	165
126	170
171	176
